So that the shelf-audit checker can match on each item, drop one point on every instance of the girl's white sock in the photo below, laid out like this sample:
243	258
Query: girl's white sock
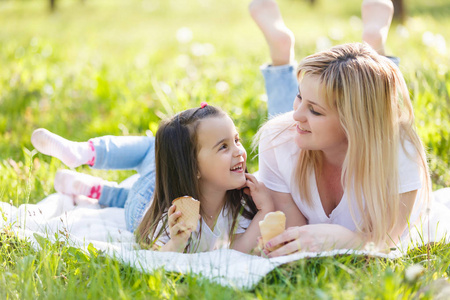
72	154
73	183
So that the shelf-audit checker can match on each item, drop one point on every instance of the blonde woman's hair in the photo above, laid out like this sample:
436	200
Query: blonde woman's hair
375	112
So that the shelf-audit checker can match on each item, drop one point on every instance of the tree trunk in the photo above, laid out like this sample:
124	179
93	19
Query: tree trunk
52	5
399	10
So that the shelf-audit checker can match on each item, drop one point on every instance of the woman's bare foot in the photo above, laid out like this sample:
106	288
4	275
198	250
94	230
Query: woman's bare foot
280	39
376	16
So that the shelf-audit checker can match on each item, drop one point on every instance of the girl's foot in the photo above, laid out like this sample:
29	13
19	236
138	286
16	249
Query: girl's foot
280	39
73	183
376	16
72	154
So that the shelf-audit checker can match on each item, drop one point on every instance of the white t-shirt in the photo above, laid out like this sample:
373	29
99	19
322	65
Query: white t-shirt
277	162
209	239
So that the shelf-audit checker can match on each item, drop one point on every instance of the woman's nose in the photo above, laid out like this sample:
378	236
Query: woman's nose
299	113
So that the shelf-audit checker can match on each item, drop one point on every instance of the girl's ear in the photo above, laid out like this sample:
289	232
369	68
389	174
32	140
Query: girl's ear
198	175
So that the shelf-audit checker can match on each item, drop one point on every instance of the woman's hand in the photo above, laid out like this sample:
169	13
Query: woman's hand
313	238
259	193
179	232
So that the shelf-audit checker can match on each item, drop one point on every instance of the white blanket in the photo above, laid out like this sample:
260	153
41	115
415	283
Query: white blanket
105	229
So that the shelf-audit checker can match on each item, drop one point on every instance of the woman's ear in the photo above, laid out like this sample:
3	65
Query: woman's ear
198	175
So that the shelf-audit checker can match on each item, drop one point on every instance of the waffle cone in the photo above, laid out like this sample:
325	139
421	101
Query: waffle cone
190	209
274	223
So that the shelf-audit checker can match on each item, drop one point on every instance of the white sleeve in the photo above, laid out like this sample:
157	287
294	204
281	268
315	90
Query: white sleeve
269	170
409	170
243	224
164	237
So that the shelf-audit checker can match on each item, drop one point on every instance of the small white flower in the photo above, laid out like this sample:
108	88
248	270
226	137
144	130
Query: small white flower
413	272
323	43
183	60
428	39
355	22
336	34
199	49
47	51
370	247
222	87
402	31
184	35
141	60
48	89
165	88
440	44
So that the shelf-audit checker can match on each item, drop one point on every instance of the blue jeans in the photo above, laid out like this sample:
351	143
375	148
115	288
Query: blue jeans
123	153
281	88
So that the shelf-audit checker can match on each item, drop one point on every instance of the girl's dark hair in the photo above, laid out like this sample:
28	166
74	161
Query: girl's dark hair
177	169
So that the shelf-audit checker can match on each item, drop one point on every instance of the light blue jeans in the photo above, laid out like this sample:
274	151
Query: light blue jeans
121	153
281	88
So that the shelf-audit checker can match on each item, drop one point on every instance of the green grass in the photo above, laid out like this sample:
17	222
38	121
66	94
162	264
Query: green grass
116	67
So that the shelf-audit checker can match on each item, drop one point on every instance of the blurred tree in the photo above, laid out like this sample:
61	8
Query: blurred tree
53	4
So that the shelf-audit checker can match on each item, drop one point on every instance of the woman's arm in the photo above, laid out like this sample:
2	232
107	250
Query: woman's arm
313	238
323	237
407	201
285	203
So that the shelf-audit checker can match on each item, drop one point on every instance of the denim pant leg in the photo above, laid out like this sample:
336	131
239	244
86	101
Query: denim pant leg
141	193
139	200
281	88
119	153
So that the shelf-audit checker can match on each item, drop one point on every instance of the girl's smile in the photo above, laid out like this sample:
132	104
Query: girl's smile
221	156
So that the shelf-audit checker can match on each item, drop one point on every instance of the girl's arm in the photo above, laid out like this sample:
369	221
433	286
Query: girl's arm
323	237
179	233
247	241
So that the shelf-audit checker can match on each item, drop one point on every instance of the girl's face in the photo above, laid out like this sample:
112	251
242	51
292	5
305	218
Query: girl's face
221	156
318	126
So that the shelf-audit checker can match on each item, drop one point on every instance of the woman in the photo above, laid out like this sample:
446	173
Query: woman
347	166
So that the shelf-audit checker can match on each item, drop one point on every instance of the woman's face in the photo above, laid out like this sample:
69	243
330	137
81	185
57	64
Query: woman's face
318	126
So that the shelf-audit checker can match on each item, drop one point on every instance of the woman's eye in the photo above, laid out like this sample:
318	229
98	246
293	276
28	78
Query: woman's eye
314	112
299	97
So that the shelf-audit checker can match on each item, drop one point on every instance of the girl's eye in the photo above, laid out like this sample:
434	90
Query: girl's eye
224	146
299	97
237	140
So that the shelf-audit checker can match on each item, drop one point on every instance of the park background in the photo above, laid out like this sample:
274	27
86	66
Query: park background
93	68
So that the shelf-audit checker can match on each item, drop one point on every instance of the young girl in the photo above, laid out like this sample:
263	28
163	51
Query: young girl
196	153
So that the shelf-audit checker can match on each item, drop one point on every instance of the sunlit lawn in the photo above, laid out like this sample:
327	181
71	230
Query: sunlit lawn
117	67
